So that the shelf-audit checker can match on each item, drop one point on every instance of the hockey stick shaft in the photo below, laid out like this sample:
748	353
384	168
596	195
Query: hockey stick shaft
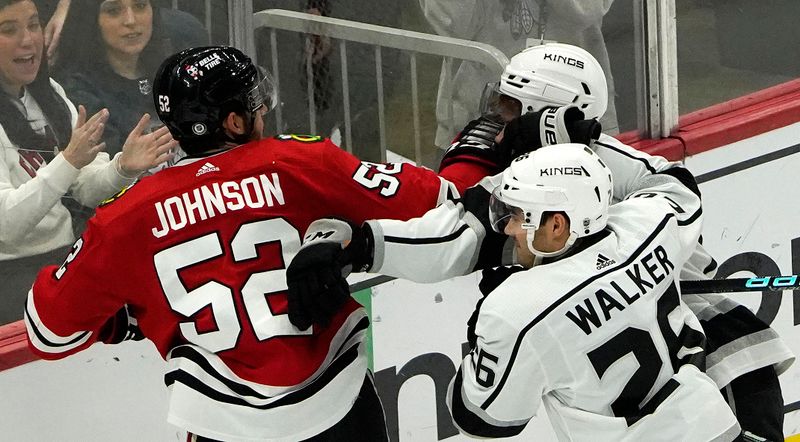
688	287
754	284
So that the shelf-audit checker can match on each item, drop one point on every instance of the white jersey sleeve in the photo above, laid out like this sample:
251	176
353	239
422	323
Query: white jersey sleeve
629	165
667	194
480	405
443	243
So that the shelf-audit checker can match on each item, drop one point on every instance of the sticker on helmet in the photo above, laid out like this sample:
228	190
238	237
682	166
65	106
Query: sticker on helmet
193	71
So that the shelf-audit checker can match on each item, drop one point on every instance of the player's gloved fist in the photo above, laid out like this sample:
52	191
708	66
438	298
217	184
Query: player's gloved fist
476	143
551	125
120	327
317	287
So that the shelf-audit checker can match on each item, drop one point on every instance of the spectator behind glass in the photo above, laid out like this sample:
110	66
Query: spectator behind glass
114	48
48	149
184	30
510	26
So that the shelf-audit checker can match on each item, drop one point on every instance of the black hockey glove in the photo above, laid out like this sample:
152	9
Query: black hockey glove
552	125
316	277
475	143
120	327
490	280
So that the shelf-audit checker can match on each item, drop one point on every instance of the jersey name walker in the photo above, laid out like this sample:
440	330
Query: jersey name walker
612	352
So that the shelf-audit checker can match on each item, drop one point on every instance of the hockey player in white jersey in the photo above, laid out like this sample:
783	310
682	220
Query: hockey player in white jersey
592	324
745	355
742	348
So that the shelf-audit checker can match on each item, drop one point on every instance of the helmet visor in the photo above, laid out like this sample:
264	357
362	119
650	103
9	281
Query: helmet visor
498	105
263	94
501	213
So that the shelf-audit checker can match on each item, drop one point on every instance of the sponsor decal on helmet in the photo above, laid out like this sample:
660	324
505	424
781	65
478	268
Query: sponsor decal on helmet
210	61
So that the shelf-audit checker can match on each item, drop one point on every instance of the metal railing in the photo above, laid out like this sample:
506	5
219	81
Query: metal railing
656	67
409	42
656	54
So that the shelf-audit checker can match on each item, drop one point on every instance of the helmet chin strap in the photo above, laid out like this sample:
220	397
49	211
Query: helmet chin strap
539	255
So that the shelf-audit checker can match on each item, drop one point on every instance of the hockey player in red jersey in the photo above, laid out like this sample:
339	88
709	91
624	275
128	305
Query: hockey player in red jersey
194	258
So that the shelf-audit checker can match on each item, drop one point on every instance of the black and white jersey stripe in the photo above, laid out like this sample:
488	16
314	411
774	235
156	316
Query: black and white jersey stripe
208	398
46	340
206	373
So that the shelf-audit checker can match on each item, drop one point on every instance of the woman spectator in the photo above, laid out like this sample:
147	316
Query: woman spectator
47	149
109	52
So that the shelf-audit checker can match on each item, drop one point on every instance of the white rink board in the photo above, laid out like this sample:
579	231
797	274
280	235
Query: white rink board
106	393
756	209
93	397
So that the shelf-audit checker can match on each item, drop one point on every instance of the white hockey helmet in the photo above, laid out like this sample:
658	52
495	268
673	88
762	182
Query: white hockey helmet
567	178
555	74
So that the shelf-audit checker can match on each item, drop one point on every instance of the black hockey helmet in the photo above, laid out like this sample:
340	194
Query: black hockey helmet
196	89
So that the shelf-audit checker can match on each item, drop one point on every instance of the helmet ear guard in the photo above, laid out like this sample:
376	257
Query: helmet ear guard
567	178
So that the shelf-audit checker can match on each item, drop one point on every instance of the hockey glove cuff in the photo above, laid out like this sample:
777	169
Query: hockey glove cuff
552	125
476	143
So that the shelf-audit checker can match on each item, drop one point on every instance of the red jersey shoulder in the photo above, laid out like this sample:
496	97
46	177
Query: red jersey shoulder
301	150
127	200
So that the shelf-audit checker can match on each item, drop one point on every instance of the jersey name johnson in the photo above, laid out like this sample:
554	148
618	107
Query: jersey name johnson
210	200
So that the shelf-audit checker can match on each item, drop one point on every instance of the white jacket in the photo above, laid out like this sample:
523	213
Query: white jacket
32	218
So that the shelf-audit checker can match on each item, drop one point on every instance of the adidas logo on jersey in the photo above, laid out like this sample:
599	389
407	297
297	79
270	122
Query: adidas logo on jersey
208	167
603	261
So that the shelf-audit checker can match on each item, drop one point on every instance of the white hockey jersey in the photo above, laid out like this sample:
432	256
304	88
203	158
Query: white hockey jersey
600	336
738	342
452	238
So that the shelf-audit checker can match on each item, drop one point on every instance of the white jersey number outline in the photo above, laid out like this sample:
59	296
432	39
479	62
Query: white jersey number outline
219	297
376	175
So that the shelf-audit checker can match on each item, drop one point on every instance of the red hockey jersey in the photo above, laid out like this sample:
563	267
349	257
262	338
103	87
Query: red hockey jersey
198	252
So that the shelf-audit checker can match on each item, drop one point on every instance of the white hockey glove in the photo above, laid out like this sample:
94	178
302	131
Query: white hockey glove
332	248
